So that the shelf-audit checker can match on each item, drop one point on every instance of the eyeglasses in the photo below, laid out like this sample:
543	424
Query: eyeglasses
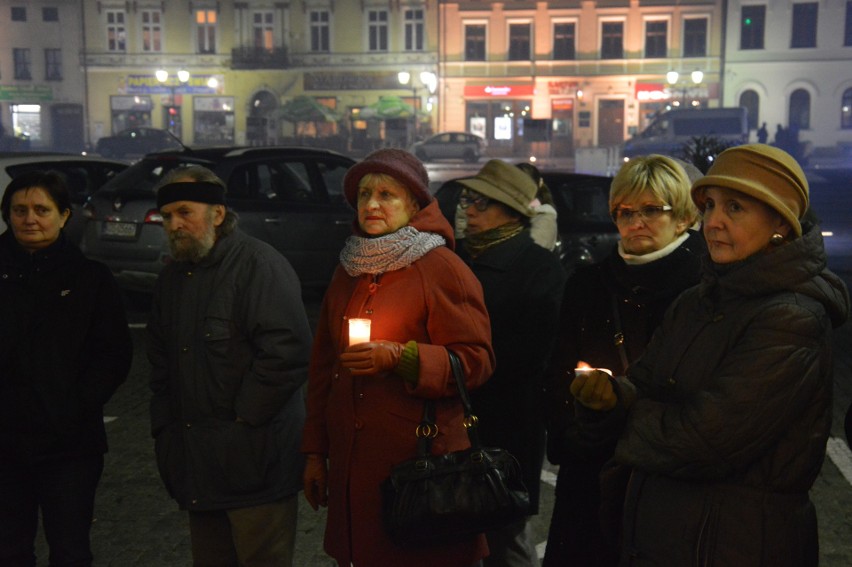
481	202
625	217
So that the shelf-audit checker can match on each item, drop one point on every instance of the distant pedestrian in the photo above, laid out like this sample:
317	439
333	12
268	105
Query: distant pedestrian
780	137
229	342
64	350
762	134
725	417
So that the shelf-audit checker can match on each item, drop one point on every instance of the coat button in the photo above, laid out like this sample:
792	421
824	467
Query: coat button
336	376
195	501
188	425
672	381
361	396
184	349
359	425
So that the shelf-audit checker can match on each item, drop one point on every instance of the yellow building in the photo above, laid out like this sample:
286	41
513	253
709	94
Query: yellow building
246	60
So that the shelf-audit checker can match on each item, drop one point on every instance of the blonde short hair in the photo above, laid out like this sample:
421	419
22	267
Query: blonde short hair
661	176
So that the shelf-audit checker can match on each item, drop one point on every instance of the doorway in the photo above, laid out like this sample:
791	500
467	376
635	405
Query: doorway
610	122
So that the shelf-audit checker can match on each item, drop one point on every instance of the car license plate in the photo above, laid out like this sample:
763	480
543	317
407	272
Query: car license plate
122	229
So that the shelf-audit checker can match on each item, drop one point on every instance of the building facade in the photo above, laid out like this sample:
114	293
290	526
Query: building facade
244	61
790	64
42	91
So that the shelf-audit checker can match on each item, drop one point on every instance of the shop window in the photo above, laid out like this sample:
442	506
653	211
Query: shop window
612	40
751	102
23	64
800	109
414	30
564	41
519	42
152	31
656	38
752	23
695	37
116	33
846	110
53	64
804	25
205	29
320	28
474	42
377	30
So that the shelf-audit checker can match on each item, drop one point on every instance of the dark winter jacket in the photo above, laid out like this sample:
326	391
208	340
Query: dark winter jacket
64	350
523	285
733	412
588	327
229	338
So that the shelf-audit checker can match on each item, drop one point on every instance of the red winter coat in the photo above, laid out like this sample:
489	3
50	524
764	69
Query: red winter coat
365	425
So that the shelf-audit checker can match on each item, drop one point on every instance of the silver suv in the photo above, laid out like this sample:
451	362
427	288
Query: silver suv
290	197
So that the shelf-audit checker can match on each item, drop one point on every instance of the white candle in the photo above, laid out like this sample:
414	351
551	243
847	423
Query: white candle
587	370
359	331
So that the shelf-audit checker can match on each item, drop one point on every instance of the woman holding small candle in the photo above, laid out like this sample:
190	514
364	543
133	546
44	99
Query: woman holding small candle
365	399
625	296
724	419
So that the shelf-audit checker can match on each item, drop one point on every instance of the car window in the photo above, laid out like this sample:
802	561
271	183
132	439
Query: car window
583	200
332	174
82	178
281	181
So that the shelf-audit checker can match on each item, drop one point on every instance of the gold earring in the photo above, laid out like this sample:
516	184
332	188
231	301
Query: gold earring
776	239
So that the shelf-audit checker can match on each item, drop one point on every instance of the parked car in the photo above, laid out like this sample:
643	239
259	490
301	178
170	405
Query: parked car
449	145
137	142
84	174
290	197
586	230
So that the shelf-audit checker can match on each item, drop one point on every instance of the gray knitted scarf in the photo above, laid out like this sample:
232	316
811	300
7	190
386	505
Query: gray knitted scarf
387	253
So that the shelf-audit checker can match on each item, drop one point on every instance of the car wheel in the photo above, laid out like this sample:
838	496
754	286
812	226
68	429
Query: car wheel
470	156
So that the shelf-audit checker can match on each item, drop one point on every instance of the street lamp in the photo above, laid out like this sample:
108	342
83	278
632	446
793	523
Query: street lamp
672	78
428	79
172	117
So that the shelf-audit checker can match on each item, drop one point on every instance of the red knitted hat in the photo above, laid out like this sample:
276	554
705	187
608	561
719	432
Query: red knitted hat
399	164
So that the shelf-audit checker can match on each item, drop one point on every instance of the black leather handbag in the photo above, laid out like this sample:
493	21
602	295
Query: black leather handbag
435	499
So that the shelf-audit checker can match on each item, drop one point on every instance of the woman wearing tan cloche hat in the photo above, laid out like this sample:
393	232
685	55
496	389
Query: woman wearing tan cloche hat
725	418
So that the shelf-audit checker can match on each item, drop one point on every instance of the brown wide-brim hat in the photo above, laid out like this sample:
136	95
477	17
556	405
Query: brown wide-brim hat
505	183
399	164
764	172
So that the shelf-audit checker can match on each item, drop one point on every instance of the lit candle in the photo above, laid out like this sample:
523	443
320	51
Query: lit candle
359	331
583	369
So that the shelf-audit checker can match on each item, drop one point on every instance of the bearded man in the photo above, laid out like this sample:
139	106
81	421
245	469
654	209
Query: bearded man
229	343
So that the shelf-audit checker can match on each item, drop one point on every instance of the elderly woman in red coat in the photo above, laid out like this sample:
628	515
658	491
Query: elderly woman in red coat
365	401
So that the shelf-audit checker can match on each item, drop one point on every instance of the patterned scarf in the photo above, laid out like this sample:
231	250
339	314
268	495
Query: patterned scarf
476	244
387	253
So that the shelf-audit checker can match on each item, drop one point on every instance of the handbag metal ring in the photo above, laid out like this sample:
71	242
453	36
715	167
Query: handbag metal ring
471	421
429	430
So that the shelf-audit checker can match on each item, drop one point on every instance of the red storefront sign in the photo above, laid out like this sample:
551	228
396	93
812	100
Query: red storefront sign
498	90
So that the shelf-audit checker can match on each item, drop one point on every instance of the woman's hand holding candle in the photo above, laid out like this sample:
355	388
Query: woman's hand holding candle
371	357
593	388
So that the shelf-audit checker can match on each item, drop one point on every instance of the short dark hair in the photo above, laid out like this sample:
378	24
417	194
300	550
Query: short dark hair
52	182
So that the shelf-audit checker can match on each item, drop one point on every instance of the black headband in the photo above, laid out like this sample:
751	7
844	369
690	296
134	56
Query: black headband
198	191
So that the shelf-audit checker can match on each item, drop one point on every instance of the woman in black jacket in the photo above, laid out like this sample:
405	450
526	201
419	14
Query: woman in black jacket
609	312
64	349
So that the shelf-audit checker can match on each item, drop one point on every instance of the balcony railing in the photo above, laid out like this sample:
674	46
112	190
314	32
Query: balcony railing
260	58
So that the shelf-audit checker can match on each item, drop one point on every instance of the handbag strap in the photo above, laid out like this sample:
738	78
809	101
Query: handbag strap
428	430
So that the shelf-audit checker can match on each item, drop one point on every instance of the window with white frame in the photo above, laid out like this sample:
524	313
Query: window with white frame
205	30
53	64
116	32
564	41
656	38
263	29
520	39
695	37
22	60
377	30
320	22
474	42
414	29
152	31
612	40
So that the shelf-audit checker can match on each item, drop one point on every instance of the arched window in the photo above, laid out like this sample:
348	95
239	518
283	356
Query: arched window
751	102
846	110
800	109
